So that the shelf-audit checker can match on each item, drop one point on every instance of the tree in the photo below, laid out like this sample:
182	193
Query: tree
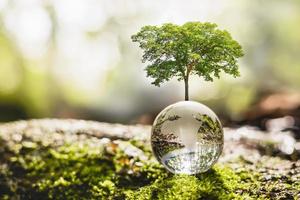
210	129
193	48
163	143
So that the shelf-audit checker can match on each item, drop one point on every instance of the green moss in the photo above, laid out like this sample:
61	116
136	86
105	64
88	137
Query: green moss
89	170
218	183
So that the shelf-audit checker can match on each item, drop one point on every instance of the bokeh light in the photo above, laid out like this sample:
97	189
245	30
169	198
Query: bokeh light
75	58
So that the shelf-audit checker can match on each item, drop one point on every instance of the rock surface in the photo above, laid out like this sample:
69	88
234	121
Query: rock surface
68	159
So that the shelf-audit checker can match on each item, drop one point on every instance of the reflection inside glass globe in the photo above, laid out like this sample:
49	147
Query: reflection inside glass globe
187	138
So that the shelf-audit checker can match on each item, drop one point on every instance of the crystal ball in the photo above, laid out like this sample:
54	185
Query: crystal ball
187	138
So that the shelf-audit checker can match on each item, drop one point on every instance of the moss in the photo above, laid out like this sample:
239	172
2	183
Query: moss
218	183
92	170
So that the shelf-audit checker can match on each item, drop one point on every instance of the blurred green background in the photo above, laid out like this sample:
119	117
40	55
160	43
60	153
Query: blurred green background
75	59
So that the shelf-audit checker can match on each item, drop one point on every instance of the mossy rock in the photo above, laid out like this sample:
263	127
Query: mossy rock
50	159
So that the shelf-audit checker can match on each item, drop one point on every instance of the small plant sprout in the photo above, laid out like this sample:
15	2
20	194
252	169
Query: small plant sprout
193	48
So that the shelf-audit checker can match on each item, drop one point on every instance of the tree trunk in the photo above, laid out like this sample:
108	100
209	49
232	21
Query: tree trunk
186	87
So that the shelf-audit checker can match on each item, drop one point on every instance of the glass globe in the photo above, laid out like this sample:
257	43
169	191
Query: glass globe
187	138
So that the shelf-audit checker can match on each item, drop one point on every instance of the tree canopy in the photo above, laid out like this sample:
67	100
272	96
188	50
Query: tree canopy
193	48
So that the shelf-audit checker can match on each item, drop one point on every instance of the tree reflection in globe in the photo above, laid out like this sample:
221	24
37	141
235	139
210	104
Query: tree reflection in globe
187	137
